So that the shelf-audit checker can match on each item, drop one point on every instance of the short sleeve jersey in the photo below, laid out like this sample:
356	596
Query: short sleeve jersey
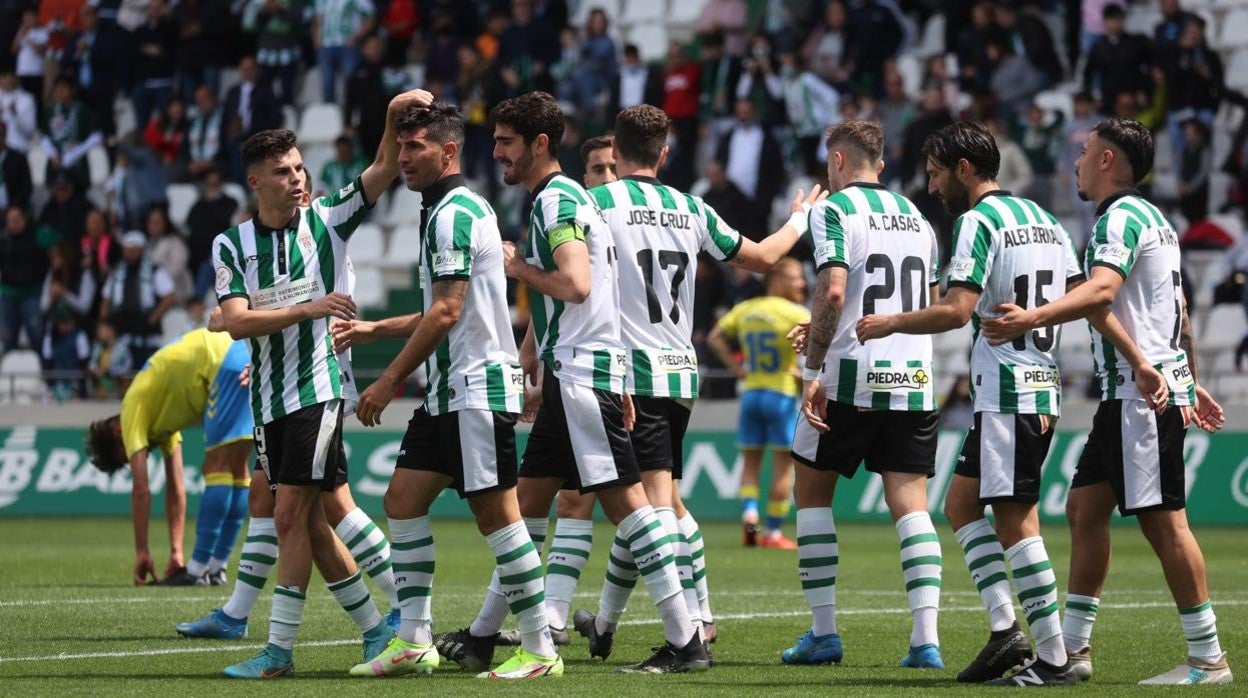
580	342
1132	238
278	268
658	233
1009	250
889	251
760	326
475	366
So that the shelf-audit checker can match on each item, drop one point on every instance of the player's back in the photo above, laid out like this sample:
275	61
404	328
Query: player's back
658	233
890	254
170	391
760	326
1012	251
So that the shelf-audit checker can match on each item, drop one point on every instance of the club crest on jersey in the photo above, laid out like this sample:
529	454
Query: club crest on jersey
224	277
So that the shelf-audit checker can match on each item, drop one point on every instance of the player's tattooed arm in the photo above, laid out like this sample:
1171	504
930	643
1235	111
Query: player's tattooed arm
825	314
1207	412
1187	342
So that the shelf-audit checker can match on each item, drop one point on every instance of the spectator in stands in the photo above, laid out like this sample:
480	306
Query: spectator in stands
728	17
1015	174
135	298
1074	134
154	46
250	107
637	83
1169	30
398	23
108	364
18	111
15	182
338	29
1014	80
812	106
137	182
753	162
760	82
66	210
681	103
1195	164
441	56
828	49
785	22
203	29
87	62
204	133
211	215
69	133
29	46
973	66
23	264
527	49
597	66
479	86
720	73
340	170
1029	31
166	137
932	115
279	26
68	284
491	37
168	251
894	111
728	201
1194	81
65	351
99	248
364	112
883	36
1040	137
1118	62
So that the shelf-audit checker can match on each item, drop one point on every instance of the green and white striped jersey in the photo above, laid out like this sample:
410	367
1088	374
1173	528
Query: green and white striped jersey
580	342
889	251
1134	239
1009	250
658	233
475	367
274	269
339	20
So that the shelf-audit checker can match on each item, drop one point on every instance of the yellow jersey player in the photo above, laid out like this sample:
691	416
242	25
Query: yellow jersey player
769	404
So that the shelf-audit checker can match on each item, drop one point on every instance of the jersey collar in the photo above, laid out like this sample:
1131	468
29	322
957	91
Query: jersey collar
867	185
1121	193
436	191
642	178
994	192
542	185
291	224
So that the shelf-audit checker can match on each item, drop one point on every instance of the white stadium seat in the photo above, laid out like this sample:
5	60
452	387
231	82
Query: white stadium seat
1223	328
404	248
1237	70
235	191
320	123
368	244
370	291
97	165
683	12
644	12
403	207
181	198
38	160
651	41
314	158
310	89
20	376
1234	29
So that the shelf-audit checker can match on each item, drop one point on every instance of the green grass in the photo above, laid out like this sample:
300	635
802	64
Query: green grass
65	597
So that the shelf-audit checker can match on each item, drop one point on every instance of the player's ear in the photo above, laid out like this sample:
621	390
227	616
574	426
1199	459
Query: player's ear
450	151
542	144
662	156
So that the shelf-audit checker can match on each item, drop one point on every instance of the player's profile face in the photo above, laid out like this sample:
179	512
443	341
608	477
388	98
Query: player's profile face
1085	166
420	159
942	184
279	181
511	152
600	168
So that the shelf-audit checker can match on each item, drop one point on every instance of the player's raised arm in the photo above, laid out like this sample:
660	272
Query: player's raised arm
761	256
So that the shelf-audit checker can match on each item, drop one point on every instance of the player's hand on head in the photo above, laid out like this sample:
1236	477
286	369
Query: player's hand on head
873	327
334	304
815	405
1011	323
373	402
412	98
1152	385
1208	413
144	569
797	337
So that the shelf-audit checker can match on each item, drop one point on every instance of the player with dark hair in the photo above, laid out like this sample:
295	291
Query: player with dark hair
1145	356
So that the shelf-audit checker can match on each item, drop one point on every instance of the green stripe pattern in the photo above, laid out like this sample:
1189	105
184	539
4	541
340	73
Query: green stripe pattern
818	556
519	569
259	554
1036	586
920	560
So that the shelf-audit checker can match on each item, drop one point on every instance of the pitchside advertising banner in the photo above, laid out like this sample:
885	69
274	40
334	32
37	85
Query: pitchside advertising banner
43	472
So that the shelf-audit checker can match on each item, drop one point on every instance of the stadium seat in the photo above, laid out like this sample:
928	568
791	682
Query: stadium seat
320	123
684	13
1231	388
38	165
290	117
402	207
310	88
932	40
1223	328
368	244
1234	32
314	158
1057	101
1142	20
404	247
21	377
911	69
637	12
1237	70
181	198
651	41
98	165
611	7
370	291
1074	355
235	191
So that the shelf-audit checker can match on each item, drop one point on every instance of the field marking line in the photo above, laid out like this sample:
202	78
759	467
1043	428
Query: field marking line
636	621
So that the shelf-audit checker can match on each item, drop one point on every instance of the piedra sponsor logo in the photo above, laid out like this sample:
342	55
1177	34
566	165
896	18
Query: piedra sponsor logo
894	379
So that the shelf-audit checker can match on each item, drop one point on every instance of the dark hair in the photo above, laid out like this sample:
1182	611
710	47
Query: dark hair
713	38
640	133
441	122
100	444
531	114
267	145
595	143
1113	11
1133	140
632	50
342	140
969	140
866	138
1084	96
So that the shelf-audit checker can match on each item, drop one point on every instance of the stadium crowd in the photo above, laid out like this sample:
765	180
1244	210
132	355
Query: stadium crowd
106	103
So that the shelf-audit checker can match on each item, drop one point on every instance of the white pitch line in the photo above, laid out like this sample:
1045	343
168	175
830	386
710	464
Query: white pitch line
637	621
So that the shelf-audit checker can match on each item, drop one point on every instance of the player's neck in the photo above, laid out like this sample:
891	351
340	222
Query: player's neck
980	189
539	173
864	176
1109	188
632	169
275	216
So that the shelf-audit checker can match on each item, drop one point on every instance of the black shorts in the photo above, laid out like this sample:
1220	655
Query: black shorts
892	441
475	448
304	447
658	434
579	437
1006	453
1139	452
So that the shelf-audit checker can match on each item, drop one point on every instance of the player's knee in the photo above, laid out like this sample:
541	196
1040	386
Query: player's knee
260	501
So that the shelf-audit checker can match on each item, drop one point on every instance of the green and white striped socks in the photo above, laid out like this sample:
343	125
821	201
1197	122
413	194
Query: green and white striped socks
986	561
412	552
617	585
1037	593
520	579
352	594
684	565
369	548
569	552
921	567
1201	630
1078	621
254	565
286	616
494	609
652	553
818	560
697	556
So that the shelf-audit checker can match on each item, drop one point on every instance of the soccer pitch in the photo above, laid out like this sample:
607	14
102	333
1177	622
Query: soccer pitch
71	624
